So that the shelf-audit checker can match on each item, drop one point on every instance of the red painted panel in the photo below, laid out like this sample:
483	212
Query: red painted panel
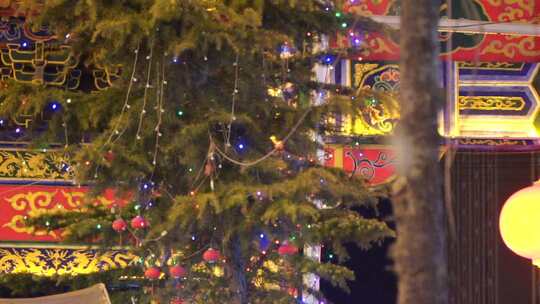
465	47
374	163
496	48
18	201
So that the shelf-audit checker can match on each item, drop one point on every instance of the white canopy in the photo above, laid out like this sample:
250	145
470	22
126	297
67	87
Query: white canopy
96	294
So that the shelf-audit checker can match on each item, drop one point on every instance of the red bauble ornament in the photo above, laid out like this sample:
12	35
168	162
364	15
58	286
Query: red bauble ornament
211	255
177	271
176	301
287	249
292	292
119	225
279	146
208	168
109	156
152	273
139	222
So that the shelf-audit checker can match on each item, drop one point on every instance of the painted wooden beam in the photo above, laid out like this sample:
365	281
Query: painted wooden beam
472	26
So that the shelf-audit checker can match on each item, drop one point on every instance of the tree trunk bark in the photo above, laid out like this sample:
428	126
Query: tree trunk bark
420	249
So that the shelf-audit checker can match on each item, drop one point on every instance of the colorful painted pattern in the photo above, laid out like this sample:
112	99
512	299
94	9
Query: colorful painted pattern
496	100
464	47
18	202
24	165
39	57
490	99
375	164
55	261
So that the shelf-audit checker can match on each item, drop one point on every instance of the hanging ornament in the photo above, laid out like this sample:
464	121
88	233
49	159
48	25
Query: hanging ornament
286	51
293	292
287	91
218	271
155	193
109	156
274	91
176	301
211	255
287	249
139	222
177	271
290	93
519	223
209	168
278	144
119	225
152	273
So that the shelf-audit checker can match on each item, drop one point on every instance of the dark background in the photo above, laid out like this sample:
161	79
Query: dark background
482	270
375	281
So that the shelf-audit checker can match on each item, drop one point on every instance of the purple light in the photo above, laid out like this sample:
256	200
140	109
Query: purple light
241	146
18	130
24	44
1	122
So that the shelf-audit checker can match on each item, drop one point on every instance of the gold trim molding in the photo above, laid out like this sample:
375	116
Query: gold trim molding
491	103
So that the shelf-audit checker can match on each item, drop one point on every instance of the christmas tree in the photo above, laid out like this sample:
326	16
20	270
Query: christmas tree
211	138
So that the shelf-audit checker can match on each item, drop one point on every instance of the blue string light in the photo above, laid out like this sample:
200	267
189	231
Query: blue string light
55	106
328	59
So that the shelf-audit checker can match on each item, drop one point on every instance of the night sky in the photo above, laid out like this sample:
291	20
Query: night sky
375	281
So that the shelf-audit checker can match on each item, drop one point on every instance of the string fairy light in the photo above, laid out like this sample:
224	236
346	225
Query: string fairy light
126	105
146	87
233	103
254	162
159	108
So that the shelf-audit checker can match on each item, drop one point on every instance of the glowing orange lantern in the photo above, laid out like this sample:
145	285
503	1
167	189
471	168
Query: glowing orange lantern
519	223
